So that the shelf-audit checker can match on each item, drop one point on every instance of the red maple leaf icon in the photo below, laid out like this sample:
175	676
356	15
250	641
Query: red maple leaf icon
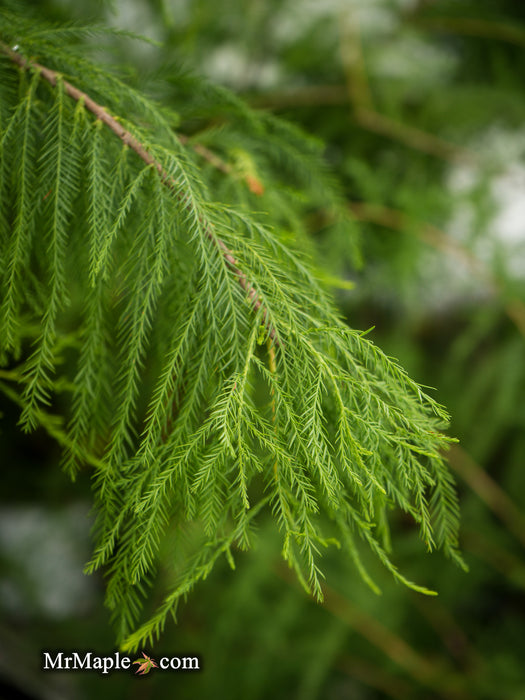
146	664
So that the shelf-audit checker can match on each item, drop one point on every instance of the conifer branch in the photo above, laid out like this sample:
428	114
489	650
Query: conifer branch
335	431
101	113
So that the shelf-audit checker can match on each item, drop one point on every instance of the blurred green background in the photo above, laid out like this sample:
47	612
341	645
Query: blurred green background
421	105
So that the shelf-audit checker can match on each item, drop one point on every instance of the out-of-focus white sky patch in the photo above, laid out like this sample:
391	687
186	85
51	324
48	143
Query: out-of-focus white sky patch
503	238
296	18
137	17
176	11
493	241
407	57
509	193
230	65
462	285
45	551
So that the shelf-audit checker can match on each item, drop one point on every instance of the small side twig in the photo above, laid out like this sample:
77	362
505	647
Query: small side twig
208	155
252	181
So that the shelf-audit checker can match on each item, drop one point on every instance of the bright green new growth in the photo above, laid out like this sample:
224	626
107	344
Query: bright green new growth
201	368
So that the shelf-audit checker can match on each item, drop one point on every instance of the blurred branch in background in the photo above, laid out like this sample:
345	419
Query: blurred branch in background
433	675
438	239
304	96
507	564
410	136
489	491
450	632
374	676
364	111
359	95
353	61
469	26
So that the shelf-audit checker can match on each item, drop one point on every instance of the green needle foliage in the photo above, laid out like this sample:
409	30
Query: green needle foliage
184	346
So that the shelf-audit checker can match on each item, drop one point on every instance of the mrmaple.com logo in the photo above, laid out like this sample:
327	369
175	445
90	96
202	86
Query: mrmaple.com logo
88	661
